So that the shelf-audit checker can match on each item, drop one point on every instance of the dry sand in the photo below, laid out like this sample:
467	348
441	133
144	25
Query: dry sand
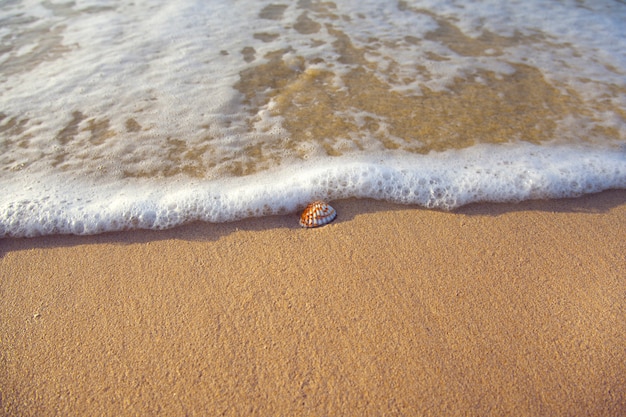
391	310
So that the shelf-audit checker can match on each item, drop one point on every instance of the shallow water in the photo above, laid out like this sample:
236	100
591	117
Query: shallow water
151	114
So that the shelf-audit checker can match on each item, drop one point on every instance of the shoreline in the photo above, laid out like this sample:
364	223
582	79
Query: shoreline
499	309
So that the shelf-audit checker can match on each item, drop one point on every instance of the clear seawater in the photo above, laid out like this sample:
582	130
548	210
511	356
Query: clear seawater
118	115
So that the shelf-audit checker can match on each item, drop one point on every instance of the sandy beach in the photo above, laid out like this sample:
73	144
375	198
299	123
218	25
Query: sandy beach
510	309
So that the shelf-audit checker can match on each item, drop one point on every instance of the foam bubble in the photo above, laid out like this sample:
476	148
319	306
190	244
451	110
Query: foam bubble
447	180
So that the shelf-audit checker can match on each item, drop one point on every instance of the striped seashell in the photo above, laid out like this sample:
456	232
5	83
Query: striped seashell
317	214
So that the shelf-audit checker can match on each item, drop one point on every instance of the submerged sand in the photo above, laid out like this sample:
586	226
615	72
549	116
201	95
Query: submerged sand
390	310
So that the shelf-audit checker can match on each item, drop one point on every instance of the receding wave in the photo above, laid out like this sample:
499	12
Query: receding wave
121	115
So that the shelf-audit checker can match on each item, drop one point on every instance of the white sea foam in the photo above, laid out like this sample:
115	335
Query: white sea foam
447	180
93	90
161	65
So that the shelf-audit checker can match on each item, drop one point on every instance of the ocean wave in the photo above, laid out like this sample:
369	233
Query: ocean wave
439	180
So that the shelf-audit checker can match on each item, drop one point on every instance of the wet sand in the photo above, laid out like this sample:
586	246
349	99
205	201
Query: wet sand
391	310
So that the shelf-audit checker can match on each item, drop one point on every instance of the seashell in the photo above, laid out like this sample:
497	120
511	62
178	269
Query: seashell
317	214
